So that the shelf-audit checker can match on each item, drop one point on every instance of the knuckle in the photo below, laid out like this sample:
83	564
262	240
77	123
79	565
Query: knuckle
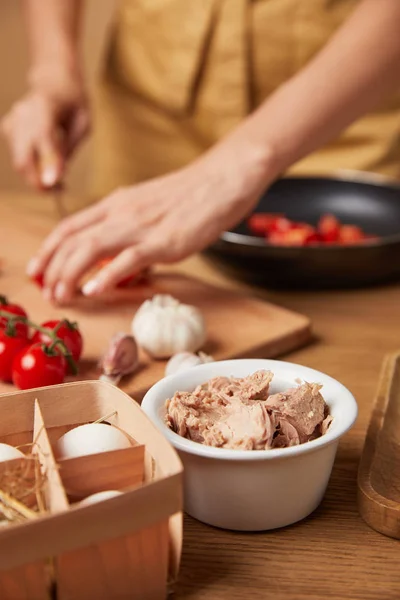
20	163
92	244
171	245
65	228
45	126
69	245
69	275
19	109
135	254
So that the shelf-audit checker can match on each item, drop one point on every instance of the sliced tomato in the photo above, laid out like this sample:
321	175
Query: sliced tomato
298	236
281	225
350	234
262	223
329	228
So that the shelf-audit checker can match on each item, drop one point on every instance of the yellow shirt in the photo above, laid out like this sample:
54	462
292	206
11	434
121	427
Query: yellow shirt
180	74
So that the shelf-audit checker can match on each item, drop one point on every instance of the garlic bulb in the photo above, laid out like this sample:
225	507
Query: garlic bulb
186	360
121	358
163	327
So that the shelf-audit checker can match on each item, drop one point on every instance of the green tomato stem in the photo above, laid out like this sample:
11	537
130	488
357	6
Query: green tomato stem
51	333
66	353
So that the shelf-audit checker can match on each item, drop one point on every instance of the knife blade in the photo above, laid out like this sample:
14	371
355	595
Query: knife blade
59	201
58	189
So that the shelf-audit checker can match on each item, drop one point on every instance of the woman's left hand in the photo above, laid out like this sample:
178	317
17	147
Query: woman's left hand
160	221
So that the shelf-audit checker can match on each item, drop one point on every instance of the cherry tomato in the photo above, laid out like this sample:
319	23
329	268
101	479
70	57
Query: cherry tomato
10	346
14	310
67	332
38	366
350	234
329	228
262	223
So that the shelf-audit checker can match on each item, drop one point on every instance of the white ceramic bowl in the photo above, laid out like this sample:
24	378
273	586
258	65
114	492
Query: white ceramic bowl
259	489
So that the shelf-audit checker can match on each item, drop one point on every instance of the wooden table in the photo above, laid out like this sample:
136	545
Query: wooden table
332	554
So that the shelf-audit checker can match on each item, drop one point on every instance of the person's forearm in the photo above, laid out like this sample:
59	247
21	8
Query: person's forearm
358	68
53	31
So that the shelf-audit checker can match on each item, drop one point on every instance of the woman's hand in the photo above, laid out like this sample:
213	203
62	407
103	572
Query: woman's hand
43	129
160	221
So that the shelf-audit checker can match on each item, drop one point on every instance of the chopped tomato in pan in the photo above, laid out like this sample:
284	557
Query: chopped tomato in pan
281	231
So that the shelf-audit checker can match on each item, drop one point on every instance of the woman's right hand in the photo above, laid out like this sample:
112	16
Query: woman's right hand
43	129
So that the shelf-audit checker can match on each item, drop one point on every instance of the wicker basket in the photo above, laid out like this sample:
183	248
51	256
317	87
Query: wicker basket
128	546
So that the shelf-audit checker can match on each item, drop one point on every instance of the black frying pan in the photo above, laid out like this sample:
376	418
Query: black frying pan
373	206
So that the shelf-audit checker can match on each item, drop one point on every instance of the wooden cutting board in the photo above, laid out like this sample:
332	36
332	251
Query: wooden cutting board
238	325
379	470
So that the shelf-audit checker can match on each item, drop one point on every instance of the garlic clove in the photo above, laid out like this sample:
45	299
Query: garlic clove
184	361
121	358
163	327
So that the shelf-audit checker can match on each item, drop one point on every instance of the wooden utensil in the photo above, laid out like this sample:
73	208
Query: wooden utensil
379	470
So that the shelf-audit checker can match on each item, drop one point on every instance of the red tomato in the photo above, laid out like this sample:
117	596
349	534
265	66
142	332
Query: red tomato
38	366
350	234
14	310
39	280
261	223
124	282
301	235
67	332
10	346
313	238
329	228
281	231
281	225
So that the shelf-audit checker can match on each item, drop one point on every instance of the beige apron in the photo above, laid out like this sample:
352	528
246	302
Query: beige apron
180	74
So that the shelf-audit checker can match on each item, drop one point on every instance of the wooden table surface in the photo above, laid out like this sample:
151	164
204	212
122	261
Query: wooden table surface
333	554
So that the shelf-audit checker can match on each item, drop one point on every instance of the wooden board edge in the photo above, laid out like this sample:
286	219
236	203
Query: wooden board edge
379	512
293	340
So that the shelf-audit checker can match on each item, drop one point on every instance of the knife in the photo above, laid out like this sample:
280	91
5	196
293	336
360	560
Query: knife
58	198
57	190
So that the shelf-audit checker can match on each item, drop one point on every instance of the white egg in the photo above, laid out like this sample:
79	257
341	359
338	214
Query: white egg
99	497
92	438
9	452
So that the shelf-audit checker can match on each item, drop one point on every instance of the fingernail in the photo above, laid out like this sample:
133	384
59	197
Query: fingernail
60	291
49	176
32	268
90	288
46	293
